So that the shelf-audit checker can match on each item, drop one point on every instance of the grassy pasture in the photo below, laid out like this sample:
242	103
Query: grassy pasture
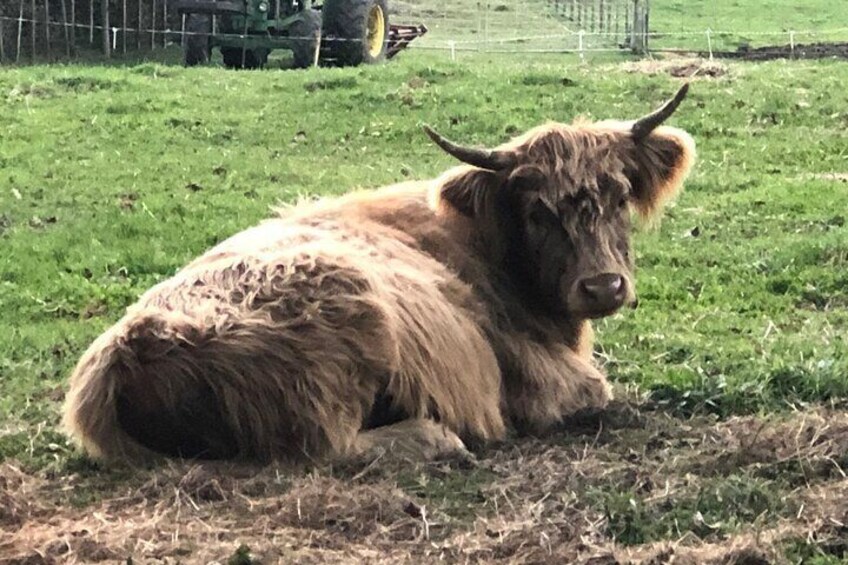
730	436
752	22
675	24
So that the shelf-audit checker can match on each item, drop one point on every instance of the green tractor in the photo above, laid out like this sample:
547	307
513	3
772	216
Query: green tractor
337	32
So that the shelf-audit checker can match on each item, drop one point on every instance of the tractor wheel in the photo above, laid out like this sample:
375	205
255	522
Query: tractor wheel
355	31
196	48
306	36
253	58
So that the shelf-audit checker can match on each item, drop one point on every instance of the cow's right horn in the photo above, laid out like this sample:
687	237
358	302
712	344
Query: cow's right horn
492	160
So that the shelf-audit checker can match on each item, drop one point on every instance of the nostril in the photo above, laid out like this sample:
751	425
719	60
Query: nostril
604	287
616	284
589	288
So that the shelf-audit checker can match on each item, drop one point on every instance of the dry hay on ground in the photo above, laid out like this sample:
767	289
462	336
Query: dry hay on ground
529	501
834	177
678	67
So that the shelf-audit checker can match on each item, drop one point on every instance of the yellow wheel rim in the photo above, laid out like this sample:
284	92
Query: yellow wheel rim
376	31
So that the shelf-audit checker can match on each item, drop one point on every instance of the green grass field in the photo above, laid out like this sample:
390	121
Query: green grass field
731	434
749	22
674	24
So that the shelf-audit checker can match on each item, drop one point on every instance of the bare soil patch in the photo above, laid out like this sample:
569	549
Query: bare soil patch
596	493
803	51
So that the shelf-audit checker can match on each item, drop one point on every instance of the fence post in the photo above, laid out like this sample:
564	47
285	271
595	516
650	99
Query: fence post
603	16
32	15
153	26
124	27
710	43
47	26
74	26
634	24
615	14
67	31
486	28
104	22
20	33
91	22
139	27
639	31
792	43
592	19
580	45
452	45
165	23
2	40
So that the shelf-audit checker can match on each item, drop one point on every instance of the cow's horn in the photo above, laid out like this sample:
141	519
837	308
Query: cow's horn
644	126
492	160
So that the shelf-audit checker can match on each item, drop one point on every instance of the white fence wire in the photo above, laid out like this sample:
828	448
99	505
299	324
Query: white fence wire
60	29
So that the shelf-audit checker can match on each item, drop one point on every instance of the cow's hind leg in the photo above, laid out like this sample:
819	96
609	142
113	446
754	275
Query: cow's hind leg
415	439
186	421
165	384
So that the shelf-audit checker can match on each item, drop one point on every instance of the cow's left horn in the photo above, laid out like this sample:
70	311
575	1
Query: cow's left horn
492	160
644	126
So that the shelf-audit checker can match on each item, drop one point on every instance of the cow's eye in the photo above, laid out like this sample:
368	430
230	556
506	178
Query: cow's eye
623	202
541	214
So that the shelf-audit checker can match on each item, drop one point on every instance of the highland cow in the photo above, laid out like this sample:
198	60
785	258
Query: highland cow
424	316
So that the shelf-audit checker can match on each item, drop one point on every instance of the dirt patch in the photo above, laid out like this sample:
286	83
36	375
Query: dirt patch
627	486
679	68
804	51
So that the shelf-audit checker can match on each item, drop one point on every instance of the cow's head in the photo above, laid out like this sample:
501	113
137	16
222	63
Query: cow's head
554	205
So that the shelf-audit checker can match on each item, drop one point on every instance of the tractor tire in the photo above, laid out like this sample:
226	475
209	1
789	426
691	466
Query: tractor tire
196	47
355	31
253	58
306	37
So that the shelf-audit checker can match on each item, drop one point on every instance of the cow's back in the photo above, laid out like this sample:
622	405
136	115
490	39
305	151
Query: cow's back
329	307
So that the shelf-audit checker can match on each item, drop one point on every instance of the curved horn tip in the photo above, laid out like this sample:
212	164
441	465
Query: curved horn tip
431	133
649	123
682	92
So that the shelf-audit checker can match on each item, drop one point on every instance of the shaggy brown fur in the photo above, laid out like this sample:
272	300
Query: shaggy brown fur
427	312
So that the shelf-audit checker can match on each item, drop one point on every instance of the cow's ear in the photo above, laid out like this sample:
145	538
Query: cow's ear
468	193
660	163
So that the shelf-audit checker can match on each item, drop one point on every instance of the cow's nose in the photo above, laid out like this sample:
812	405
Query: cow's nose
606	291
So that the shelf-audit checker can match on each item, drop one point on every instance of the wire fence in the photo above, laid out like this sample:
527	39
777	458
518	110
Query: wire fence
55	30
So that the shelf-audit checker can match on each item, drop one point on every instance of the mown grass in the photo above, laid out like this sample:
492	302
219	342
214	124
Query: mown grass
674	24
112	178
682	24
